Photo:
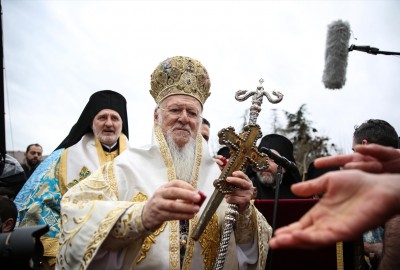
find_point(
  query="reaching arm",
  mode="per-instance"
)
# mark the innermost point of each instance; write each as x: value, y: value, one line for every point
x: 353, y: 202
x: 370, y: 158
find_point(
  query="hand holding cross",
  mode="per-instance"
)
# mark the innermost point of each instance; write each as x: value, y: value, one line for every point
x: 245, y: 153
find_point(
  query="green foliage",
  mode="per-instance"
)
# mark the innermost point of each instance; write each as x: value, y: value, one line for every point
x: 307, y: 144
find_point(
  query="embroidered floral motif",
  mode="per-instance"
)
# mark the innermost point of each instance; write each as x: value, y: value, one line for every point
x: 73, y: 224
x: 246, y: 226
x: 84, y: 172
x: 209, y: 242
x: 149, y: 240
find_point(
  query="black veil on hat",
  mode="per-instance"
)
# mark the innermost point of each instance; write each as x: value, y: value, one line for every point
x: 285, y: 148
x: 104, y: 99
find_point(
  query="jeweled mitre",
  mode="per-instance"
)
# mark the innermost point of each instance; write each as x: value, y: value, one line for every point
x: 180, y: 75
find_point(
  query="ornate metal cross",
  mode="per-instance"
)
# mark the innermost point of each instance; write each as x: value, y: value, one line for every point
x: 243, y: 153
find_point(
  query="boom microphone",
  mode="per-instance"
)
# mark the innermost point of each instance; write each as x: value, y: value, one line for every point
x: 371, y: 50
x: 336, y: 53
x: 280, y: 160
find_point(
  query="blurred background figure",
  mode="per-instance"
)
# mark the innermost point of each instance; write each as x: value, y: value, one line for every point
x: 8, y: 193
x: 33, y: 157
x: 12, y: 176
x: 205, y: 129
x: 265, y: 181
x: 8, y: 215
x: 377, y: 242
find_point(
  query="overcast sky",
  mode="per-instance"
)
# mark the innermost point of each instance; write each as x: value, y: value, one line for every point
x: 57, y: 53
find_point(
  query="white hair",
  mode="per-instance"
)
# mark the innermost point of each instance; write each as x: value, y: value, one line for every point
x: 183, y: 158
x: 267, y: 180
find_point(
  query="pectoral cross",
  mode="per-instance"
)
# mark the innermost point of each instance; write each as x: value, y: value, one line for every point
x: 244, y: 153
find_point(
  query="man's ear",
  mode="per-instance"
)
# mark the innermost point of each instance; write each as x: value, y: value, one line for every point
x: 155, y: 116
x: 364, y: 142
x: 8, y: 225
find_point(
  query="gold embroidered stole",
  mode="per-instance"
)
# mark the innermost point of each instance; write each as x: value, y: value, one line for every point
x: 210, y: 238
x: 174, y: 257
x: 102, y: 158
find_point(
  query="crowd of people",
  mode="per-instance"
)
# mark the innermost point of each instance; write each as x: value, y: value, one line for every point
x: 112, y: 206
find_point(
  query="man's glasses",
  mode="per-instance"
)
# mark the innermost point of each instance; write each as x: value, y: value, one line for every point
x: 177, y: 112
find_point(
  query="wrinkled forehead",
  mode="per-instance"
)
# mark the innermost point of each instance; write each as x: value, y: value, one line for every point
x: 181, y: 100
x: 108, y: 112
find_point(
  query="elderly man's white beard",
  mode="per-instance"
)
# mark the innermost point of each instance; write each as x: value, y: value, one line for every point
x: 182, y: 158
x: 267, y: 180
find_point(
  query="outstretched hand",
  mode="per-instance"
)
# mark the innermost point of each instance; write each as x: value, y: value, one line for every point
x: 353, y: 202
x: 372, y: 158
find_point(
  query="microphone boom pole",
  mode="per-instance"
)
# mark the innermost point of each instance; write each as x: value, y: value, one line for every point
x: 371, y: 50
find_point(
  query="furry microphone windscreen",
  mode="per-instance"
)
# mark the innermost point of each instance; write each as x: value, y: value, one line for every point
x: 336, y: 53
